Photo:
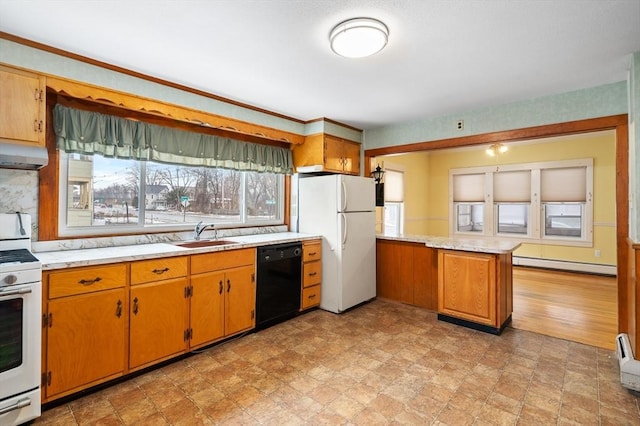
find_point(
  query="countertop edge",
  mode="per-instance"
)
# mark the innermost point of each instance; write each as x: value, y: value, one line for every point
x: 460, y: 244
x: 62, y: 259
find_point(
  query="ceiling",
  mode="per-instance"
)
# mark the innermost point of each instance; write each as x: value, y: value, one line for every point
x: 443, y: 56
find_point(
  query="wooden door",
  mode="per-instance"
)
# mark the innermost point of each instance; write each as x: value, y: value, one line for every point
x: 467, y: 286
x: 158, y: 321
x: 21, y: 106
x: 207, y: 308
x: 240, y: 299
x: 85, y: 339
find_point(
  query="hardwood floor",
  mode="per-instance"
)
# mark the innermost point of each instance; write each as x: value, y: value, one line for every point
x: 573, y: 306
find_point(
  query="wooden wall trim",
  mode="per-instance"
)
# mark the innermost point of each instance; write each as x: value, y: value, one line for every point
x: 627, y: 312
x: 537, y: 132
x: 87, y: 60
x: 204, y: 120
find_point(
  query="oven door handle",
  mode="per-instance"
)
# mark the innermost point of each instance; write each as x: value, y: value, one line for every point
x: 18, y: 405
x: 5, y: 293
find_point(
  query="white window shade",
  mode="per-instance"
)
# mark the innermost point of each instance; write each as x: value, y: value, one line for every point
x: 468, y: 188
x: 393, y: 186
x: 512, y: 187
x: 563, y: 184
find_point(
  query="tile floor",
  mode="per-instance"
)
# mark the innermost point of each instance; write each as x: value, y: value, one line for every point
x: 382, y: 363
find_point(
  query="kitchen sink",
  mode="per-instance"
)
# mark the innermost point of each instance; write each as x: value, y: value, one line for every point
x: 205, y: 243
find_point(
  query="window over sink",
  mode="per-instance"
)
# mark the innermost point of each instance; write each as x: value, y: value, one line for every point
x: 101, y: 195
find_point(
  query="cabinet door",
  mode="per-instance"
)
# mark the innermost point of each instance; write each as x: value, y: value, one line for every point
x: 467, y: 286
x: 21, y: 106
x: 240, y: 299
x: 351, y: 157
x: 85, y: 339
x: 158, y: 321
x: 207, y: 308
x: 333, y: 154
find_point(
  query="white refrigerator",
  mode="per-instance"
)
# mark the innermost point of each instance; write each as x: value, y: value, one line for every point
x: 342, y: 209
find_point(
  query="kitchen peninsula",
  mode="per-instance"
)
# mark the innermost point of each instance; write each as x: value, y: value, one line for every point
x: 468, y: 282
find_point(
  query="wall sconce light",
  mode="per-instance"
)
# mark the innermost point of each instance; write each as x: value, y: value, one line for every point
x: 496, y: 149
x: 377, y: 174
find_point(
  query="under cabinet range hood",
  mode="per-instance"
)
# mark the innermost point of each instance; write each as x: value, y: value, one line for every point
x: 24, y: 157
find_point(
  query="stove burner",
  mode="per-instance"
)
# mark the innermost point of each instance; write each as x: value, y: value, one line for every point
x: 16, y: 256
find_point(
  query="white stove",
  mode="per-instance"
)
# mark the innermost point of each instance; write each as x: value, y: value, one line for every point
x: 20, y: 311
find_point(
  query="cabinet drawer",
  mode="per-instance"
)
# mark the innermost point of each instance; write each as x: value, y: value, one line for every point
x: 146, y: 271
x: 310, y: 297
x: 311, y: 273
x: 86, y: 280
x: 208, y: 262
x: 311, y: 251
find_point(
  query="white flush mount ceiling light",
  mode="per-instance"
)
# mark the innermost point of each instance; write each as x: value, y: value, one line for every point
x: 359, y: 37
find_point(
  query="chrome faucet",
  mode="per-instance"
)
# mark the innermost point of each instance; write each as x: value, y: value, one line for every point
x: 200, y: 227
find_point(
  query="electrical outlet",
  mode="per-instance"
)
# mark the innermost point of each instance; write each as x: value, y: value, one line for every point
x: 597, y: 253
x: 460, y: 125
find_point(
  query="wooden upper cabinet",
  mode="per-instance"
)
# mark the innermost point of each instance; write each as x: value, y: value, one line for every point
x: 22, y: 107
x: 333, y: 154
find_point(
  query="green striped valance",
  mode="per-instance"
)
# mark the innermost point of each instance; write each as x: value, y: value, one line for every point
x: 90, y: 133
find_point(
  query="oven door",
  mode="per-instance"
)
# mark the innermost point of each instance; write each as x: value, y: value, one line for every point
x: 20, y: 331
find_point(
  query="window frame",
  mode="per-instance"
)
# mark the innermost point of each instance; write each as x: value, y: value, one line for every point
x: 536, y: 222
x: 64, y: 230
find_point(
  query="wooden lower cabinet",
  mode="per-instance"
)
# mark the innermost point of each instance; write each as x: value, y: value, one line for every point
x: 223, y: 295
x: 207, y: 308
x: 475, y: 289
x: 103, y: 322
x: 158, y: 319
x: 407, y: 272
x: 85, y: 328
x: 240, y: 300
x: 311, y: 274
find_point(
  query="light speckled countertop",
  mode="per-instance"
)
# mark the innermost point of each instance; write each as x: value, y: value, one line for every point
x: 101, y: 255
x: 493, y: 246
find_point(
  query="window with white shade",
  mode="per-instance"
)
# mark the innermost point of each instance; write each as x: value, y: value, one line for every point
x: 564, y: 204
x: 393, y: 201
x: 468, y: 199
x: 550, y: 201
x: 512, y: 200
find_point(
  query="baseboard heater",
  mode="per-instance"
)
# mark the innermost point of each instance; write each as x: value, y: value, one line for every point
x: 563, y: 265
x: 629, y: 366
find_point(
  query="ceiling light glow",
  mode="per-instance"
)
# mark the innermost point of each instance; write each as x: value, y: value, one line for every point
x: 359, y: 37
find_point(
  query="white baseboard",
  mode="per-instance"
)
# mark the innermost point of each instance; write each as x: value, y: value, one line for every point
x: 591, y: 268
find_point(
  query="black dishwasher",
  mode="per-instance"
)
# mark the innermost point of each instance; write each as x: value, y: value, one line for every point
x: 279, y: 282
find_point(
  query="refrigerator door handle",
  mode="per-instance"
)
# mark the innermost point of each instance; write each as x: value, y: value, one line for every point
x: 343, y: 217
x: 343, y: 199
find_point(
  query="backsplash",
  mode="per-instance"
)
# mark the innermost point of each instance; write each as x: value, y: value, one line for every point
x: 19, y: 192
x: 127, y: 240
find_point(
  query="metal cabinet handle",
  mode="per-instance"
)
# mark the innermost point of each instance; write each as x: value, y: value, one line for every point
x: 228, y: 286
x: 312, y: 296
x: 313, y: 274
x: 135, y: 306
x: 119, y: 309
x: 220, y: 286
x: 89, y: 282
x: 160, y: 271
